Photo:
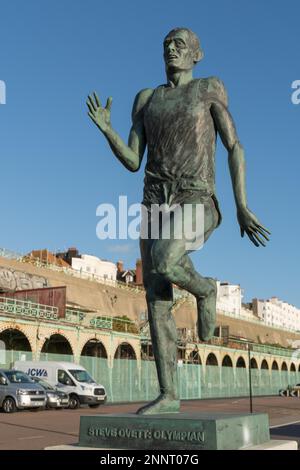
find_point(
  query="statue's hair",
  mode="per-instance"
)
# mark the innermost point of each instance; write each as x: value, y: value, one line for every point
x: 194, y: 41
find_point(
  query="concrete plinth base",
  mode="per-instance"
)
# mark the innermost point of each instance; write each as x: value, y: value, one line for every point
x: 270, y: 445
x: 275, y: 444
x: 180, y: 431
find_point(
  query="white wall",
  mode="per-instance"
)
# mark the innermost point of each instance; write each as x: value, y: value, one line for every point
x: 95, y: 266
x: 229, y: 299
x: 275, y: 312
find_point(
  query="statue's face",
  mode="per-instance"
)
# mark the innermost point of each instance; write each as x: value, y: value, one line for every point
x: 178, y: 53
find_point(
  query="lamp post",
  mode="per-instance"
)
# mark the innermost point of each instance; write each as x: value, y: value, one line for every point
x: 250, y: 377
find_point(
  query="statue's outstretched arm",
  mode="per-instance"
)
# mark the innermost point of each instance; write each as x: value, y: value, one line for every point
x: 248, y: 222
x: 129, y: 155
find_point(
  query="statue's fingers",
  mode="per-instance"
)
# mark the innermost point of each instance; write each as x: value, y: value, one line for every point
x: 97, y: 99
x: 90, y: 107
x: 242, y: 232
x: 92, y: 117
x: 257, y: 237
x: 108, y: 103
x: 92, y: 103
x: 263, y: 228
x: 262, y: 233
x: 252, y: 238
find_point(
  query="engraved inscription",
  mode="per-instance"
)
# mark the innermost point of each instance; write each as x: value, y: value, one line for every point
x: 190, y: 436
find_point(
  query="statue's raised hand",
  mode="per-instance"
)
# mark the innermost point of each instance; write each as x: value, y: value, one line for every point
x: 98, y: 114
x: 253, y: 228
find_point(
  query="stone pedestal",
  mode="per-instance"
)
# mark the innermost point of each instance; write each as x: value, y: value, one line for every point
x: 181, y: 431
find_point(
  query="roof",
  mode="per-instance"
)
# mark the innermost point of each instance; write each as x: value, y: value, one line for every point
x: 45, y: 256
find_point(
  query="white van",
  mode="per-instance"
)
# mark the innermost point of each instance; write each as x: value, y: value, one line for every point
x: 73, y: 379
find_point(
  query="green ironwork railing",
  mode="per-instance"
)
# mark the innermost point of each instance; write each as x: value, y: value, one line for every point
x: 102, y: 322
x: 75, y: 316
x: 261, y: 348
x: 115, y: 324
x: 28, y: 309
x: 265, y: 348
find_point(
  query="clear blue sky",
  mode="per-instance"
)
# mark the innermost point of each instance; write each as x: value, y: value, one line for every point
x: 56, y: 167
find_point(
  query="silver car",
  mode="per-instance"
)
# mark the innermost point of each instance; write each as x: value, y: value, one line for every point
x: 19, y: 391
x: 55, y: 398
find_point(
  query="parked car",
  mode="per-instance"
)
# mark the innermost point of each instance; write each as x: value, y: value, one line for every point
x: 19, y: 391
x: 71, y: 378
x: 55, y: 398
x: 296, y: 387
x: 290, y: 391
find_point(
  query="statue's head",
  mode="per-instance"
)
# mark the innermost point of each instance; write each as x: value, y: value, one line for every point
x: 182, y: 49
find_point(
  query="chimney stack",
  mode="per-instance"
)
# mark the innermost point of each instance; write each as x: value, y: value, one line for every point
x: 138, y: 272
x: 120, y: 267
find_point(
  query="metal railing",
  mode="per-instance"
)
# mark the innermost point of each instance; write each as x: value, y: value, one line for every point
x: 115, y: 323
x: 4, y: 253
x: 28, y: 309
x: 274, y: 350
x: 75, y: 316
x: 102, y: 322
x: 256, y: 347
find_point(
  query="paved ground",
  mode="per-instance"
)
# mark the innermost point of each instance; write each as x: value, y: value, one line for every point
x: 37, y: 430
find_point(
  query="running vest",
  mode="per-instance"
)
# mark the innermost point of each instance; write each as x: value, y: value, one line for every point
x: 181, y: 134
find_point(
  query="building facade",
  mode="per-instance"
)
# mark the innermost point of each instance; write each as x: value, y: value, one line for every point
x: 95, y: 266
x: 275, y: 312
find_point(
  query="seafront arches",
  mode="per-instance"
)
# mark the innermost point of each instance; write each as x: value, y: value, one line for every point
x: 211, y: 360
x: 275, y: 365
x: 94, y: 348
x: 240, y: 362
x: 264, y: 365
x: 57, y: 343
x: 15, y: 339
x: 253, y: 363
x: 194, y: 357
x: 284, y: 366
x: 125, y: 351
x: 227, y: 361
x: 292, y: 367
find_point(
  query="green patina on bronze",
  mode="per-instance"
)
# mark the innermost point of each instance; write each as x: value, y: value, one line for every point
x: 179, y: 122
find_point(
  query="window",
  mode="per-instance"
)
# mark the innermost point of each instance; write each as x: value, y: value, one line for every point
x: 82, y: 376
x: 63, y: 378
x: 15, y: 377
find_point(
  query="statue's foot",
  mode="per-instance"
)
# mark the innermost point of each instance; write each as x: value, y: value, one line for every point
x: 207, y: 312
x: 162, y: 404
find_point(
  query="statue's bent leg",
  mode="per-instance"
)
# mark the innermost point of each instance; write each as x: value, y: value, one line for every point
x: 159, y: 298
x: 170, y: 259
x: 206, y: 304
